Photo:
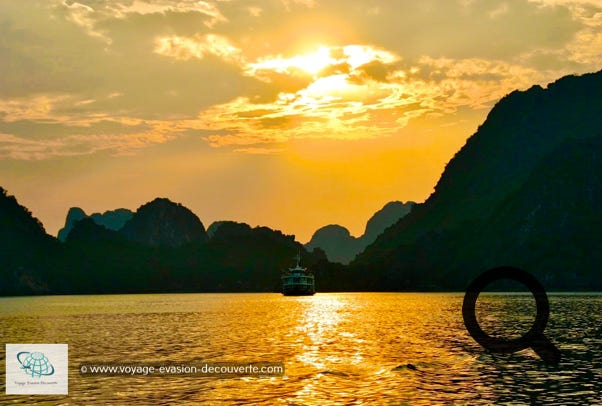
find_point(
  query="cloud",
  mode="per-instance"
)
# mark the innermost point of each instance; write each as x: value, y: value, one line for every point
x: 37, y: 108
x: 90, y: 13
x: 84, y: 16
x: 41, y: 128
x: 115, y: 76
x: 206, y: 8
x: 347, y: 57
x: 288, y: 4
x: 375, y: 95
x: 183, y: 48
x: 260, y: 150
x: 12, y: 147
x: 255, y: 11
x: 585, y: 49
x: 499, y: 11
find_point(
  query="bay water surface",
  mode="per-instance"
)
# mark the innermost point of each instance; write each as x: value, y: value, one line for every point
x: 337, y: 348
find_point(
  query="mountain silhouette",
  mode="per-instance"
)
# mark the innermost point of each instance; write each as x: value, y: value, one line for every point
x: 384, y: 218
x: 26, y: 251
x: 213, y: 228
x: 89, y: 231
x: 340, y: 246
x: 524, y: 190
x: 251, y: 258
x: 162, y: 248
x: 112, y: 220
x: 164, y: 223
x: 336, y: 242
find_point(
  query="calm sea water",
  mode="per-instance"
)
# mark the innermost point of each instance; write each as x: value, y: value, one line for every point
x: 347, y: 348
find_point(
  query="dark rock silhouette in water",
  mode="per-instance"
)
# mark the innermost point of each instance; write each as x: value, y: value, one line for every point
x: 404, y: 367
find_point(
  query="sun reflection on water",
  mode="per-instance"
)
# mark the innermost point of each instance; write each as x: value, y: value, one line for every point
x: 337, y: 348
x: 320, y: 318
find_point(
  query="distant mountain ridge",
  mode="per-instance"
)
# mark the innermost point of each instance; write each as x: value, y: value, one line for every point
x: 162, y: 248
x: 340, y: 246
x: 111, y: 219
x: 524, y: 190
x: 384, y: 218
x: 337, y: 243
x: 160, y: 222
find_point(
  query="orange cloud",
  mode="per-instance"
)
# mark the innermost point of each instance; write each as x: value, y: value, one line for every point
x: 183, y: 48
x: 357, y: 91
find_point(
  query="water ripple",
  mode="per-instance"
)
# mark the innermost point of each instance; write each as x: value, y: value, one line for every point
x: 348, y: 348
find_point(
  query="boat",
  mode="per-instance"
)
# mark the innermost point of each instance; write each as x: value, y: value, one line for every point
x: 298, y: 281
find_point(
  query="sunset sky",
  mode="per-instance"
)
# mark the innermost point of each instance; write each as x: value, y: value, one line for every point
x: 289, y: 114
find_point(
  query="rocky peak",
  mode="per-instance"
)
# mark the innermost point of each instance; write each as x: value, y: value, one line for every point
x: 164, y: 223
x: 112, y: 220
x: 384, y: 218
x: 340, y: 246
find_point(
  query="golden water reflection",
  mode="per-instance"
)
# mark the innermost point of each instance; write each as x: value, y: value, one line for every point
x: 345, y: 348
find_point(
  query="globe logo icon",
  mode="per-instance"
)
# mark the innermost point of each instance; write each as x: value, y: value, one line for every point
x: 35, y: 364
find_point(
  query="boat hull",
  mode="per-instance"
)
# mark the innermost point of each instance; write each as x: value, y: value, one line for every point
x: 302, y: 290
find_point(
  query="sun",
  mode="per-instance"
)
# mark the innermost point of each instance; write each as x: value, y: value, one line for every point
x: 333, y: 75
x: 310, y: 63
x: 333, y: 87
x: 314, y: 62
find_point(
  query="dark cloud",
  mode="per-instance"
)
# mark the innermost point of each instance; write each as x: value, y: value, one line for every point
x: 375, y: 70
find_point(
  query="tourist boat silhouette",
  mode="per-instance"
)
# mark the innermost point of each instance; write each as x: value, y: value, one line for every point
x: 298, y: 281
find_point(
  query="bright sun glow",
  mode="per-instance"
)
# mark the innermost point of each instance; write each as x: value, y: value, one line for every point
x: 334, y: 86
x: 351, y: 56
x: 315, y: 62
x: 310, y: 63
x: 345, y: 62
x: 338, y: 94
